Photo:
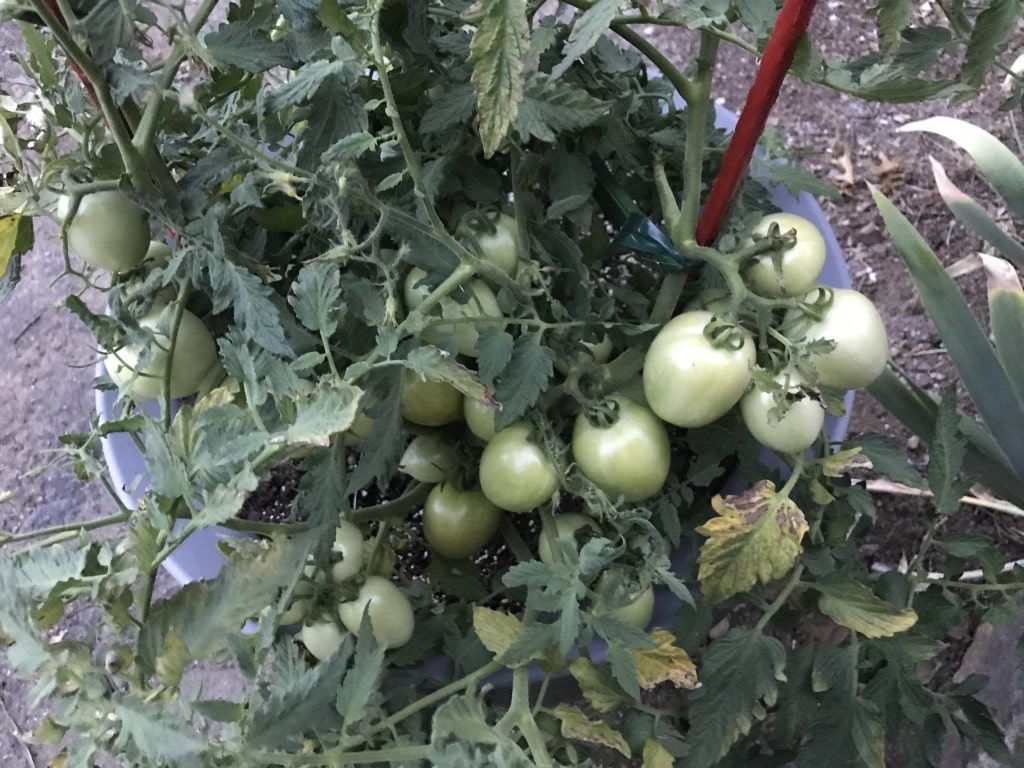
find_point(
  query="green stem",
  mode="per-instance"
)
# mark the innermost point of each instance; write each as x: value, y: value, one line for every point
x: 134, y: 164
x: 89, y: 525
x: 686, y: 87
x: 696, y: 117
x: 412, y: 164
x: 926, y: 544
x: 337, y: 757
x: 781, y: 598
x: 523, y: 717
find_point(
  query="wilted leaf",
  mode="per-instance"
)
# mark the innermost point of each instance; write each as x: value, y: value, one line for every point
x: 328, y: 411
x: 596, y: 685
x: 856, y: 607
x: 436, y: 365
x: 576, y: 725
x: 755, y: 537
x: 664, y: 663
x: 842, y: 463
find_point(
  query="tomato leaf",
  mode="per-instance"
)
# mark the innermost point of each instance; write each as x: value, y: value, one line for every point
x: 551, y: 107
x: 992, y: 29
x: 462, y: 737
x: 947, y: 450
x: 577, y: 726
x: 588, y: 28
x: 856, y: 607
x: 316, y: 296
x: 893, y: 17
x: 499, y: 55
x: 524, y: 378
x: 755, y: 537
x: 740, y: 675
x: 656, y: 756
x: 664, y: 663
x: 497, y: 630
x: 597, y: 686
x: 149, y: 730
x: 16, y: 239
x: 494, y: 349
x: 246, y: 46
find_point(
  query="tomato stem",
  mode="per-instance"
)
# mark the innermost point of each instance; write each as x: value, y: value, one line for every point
x: 790, y: 26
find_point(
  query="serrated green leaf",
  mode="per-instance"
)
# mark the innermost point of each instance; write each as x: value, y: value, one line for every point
x: 754, y: 537
x: 524, y: 378
x: 854, y: 606
x: 550, y: 107
x: 997, y: 163
x: 329, y: 410
x: 587, y: 29
x: 316, y: 296
x: 461, y: 724
x: 1006, y: 316
x: 597, y: 685
x: 975, y: 721
x: 740, y: 675
x: 623, y: 668
x: 451, y: 109
x: 167, y: 471
x: 947, y: 448
x: 498, y: 54
x: 992, y: 29
x: 967, y: 342
x: 577, y: 726
x: 149, y: 731
x: 243, y: 45
x: 494, y: 349
x: 362, y: 680
x: 888, y: 459
x: 974, y: 217
x: 433, y: 364
x: 223, y: 502
x: 893, y: 17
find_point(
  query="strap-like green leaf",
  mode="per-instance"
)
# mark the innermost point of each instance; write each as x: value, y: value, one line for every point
x: 997, y: 163
x: 973, y: 216
x: 1006, y: 313
x: 962, y: 334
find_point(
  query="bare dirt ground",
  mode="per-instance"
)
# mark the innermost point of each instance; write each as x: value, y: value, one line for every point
x: 839, y: 138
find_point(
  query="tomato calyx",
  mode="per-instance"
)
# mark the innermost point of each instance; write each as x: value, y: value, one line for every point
x: 725, y: 333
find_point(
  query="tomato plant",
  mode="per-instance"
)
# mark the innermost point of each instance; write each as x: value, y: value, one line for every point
x: 794, y: 270
x: 852, y: 324
x: 789, y: 419
x: 563, y: 527
x: 479, y: 418
x: 322, y: 638
x: 430, y: 403
x: 347, y: 552
x: 497, y: 238
x: 142, y: 368
x: 107, y: 230
x: 516, y: 473
x: 390, y: 614
x: 459, y: 316
x: 457, y: 522
x: 691, y: 380
x: 623, y: 449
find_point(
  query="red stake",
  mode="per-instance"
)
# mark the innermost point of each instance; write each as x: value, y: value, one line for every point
x: 790, y: 26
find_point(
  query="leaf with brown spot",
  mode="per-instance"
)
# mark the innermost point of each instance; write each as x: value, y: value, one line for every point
x: 665, y: 663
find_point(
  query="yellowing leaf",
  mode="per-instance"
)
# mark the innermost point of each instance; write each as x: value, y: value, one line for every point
x: 496, y: 630
x: 854, y: 606
x: 755, y: 537
x: 576, y: 725
x: 843, y: 462
x: 595, y: 685
x: 15, y: 238
x: 664, y: 663
x: 499, y: 54
x: 656, y: 756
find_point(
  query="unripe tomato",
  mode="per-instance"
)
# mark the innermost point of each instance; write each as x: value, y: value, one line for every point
x: 600, y: 351
x: 499, y: 243
x: 629, y: 457
x: 428, y: 460
x: 457, y: 523
x: 482, y: 303
x: 800, y: 265
x: 109, y: 231
x: 159, y: 253
x: 515, y: 473
x: 861, y: 344
x: 796, y: 430
x: 430, y: 403
x: 690, y: 382
x: 563, y: 528
x: 194, y: 358
x: 322, y: 638
x: 638, y: 609
x: 346, y: 552
x: 391, y: 615
x: 479, y: 418
x: 362, y: 424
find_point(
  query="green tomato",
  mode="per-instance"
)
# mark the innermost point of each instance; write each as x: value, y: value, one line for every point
x: 362, y: 424
x: 322, y: 638
x: 515, y: 473
x: 391, y: 614
x: 600, y: 351
x: 479, y: 418
x: 690, y: 382
x: 638, y: 608
x: 193, y: 360
x: 854, y: 324
x: 562, y: 528
x: 482, y: 303
x: 498, y: 241
x: 457, y: 523
x: 427, y: 460
x: 795, y: 430
x: 346, y: 552
x: 108, y: 231
x: 429, y: 403
x: 629, y: 457
x: 159, y: 253
x: 799, y: 265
